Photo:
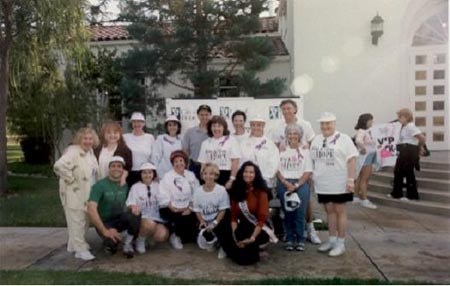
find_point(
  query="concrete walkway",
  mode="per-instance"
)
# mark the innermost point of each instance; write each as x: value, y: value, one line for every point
x: 387, y: 244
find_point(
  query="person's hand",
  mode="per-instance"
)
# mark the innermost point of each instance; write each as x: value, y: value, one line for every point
x: 210, y: 227
x: 422, y: 151
x: 123, y: 178
x: 240, y: 244
x: 173, y: 209
x: 228, y: 184
x: 113, y: 235
x: 202, y: 225
x: 289, y: 186
x: 363, y: 151
x: 136, y: 210
x: 186, y: 212
x: 350, y: 187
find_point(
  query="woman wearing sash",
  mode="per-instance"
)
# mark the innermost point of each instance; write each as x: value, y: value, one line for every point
x: 249, y: 213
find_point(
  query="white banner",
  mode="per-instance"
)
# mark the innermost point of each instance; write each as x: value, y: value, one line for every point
x: 386, y: 136
x: 269, y: 109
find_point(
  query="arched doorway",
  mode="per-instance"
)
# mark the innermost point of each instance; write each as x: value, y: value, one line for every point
x: 429, y: 79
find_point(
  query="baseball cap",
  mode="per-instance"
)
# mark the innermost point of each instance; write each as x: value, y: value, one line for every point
x: 116, y: 159
x: 326, y: 117
x: 137, y: 116
x: 147, y: 166
x: 204, y: 107
x: 172, y: 118
x: 291, y: 201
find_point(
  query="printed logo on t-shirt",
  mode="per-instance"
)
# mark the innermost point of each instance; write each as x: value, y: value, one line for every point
x: 217, y: 156
x: 291, y: 163
x: 325, y: 154
x: 209, y: 209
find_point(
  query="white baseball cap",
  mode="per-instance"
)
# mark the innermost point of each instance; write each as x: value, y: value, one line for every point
x: 206, y: 240
x: 172, y: 118
x: 257, y: 118
x: 291, y: 201
x: 137, y: 116
x: 116, y: 159
x: 327, y: 117
x: 147, y: 166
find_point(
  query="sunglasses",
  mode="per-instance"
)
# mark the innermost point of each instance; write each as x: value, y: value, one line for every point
x: 324, y: 143
x: 149, y: 193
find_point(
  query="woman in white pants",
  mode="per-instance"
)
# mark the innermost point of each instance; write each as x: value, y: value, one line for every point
x: 78, y: 169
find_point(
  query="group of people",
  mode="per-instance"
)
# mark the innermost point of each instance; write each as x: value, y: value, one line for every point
x: 212, y: 187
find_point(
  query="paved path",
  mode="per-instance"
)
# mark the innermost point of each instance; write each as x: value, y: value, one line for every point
x: 387, y: 244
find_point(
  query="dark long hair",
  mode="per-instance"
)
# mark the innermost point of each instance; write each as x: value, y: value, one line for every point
x: 362, y: 121
x: 239, y: 189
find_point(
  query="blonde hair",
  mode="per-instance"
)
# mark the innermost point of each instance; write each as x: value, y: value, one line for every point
x: 83, y: 131
x: 407, y: 113
x: 111, y: 125
x: 214, y: 168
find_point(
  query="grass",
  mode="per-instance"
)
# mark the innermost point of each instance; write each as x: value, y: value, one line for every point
x: 31, y: 202
x: 102, y: 277
x: 13, y: 153
x: 16, y: 165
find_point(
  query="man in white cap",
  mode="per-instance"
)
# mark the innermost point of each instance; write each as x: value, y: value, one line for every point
x: 289, y: 110
x: 261, y: 150
x: 107, y: 210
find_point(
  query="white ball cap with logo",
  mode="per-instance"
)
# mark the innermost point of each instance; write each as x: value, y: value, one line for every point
x: 257, y: 118
x: 137, y: 116
x: 116, y: 159
x: 327, y: 117
x: 172, y: 118
x: 291, y: 201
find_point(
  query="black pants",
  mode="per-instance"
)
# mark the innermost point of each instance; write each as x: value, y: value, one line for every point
x: 126, y: 221
x: 249, y: 254
x: 404, y: 168
x: 185, y: 227
x: 224, y: 176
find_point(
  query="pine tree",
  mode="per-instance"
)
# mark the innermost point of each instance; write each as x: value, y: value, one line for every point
x: 179, y: 39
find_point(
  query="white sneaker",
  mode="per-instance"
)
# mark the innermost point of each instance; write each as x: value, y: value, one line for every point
x: 313, y: 237
x: 221, y: 254
x: 405, y: 199
x: 175, y: 241
x: 84, y: 255
x: 337, y: 250
x: 389, y: 196
x: 327, y: 246
x: 368, y: 204
x: 140, y: 245
x: 356, y: 200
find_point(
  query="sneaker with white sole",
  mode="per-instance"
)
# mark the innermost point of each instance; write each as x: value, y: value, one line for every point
x: 337, y: 250
x: 356, y: 200
x: 140, y: 245
x: 327, y: 246
x: 368, y: 204
x: 84, y: 255
x: 175, y: 241
x: 313, y: 237
x: 222, y: 254
x: 405, y: 199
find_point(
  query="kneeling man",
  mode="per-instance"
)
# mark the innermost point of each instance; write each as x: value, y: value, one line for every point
x: 108, y: 212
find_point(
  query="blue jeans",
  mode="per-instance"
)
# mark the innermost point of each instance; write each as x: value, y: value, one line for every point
x: 294, y: 221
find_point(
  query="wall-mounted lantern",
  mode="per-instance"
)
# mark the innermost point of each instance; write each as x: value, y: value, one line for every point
x: 377, y: 28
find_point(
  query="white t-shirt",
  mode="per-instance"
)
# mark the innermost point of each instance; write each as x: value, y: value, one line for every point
x: 264, y: 153
x: 407, y: 134
x: 294, y: 162
x: 220, y: 151
x: 278, y: 135
x: 241, y: 138
x: 177, y: 189
x: 209, y: 204
x: 138, y: 195
x: 365, y: 138
x: 330, y: 156
x: 141, y: 148
x: 103, y: 161
x: 162, y: 148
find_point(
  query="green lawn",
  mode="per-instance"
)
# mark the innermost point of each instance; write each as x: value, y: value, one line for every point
x: 13, y: 153
x: 31, y: 202
x: 100, y: 277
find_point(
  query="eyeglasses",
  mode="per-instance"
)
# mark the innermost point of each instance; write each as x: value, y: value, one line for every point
x: 324, y: 143
x: 149, y: 193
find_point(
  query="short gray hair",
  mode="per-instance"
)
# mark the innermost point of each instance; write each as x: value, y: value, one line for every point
x: 296, y: 128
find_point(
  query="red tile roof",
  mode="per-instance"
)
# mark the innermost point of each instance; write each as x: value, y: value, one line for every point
x: 118, y: 33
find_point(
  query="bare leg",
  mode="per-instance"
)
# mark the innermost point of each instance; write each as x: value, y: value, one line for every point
x: 341, y: 215
x: 148, y: 228
x: 161, y: 233
x: 364, y: 177
x: 332, y: 218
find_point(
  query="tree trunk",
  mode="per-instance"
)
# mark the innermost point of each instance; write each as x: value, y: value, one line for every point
x: 5, y: 44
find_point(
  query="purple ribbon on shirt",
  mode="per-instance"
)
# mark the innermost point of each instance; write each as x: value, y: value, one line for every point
x: 175, y: 182
x: 259, y: 146
x: 224, y: 140
x: 167, y: 140
x: 299, y: 155
x: 335, y: 139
